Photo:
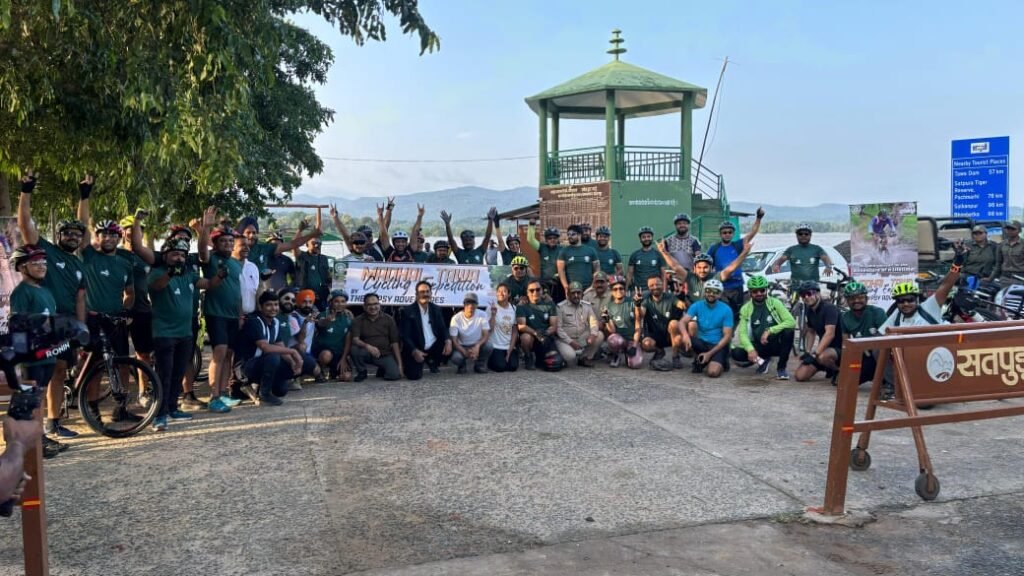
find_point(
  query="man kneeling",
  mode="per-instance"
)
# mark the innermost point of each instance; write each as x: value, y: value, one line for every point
x: 710, y: 332
x: 267, y: 361
x: 470, y: 330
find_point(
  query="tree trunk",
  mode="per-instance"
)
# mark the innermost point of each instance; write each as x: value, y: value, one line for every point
x: 5, y: 196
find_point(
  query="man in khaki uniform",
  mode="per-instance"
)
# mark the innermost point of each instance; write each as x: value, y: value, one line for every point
x: 579, y: 332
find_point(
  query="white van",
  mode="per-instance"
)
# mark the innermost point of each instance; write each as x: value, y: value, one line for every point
x: 762, y: 260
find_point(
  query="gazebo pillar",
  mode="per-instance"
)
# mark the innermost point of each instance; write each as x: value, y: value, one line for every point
x: 609, y: 135
x: 622, y: 130
x: 554, y: 131
x: 543, y: 141
x: 686, y: 140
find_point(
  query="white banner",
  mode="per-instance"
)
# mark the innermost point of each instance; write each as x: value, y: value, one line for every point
x: 395, y: 283
x: 883, y: 247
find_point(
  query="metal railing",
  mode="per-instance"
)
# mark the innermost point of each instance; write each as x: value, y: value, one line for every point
x: 632, y: 164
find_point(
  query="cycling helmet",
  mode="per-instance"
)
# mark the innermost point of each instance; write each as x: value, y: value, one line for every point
x: 129, y: 221
x: 108, y: 226
x: 520, y: 261
x: 727, y: 225
x: 176, y: 245
x: 682, y: 217
x: 26, y: 253
x: 365, y: 229
x: 180, y: 229
x: 511, y: 238
x: 905, y: 289
x: 552, y: 231
x: 883, y: 212
x: 804, y: 226
x: 222, y: 231
x: 705, y: 258
x: 808, y: 286
x: 603, y: 230
x: 757, y: 283
x: 275, y: 236
x: 645, y: 230
x: 467, y: 234
x: 400, y: 235
x: 338, y: 294
x: 585, y: 226
x: 66, y: 225
x: 441, y: 244
x: 714, y: 284
x: 855, y: 289
x: 612, y: 281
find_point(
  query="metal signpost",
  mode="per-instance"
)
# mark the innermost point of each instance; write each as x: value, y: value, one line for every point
x: 980, y: 178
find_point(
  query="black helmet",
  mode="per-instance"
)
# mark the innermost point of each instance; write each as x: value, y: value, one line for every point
x: 24, y: 253
x: 442, y: 244
x: 66, y: 225
x: 706, y: 258
x: 808, y: 286
x: 552, y: 232
x: 727, y: 225
x: 682, y: 217
x: 645, y: 230
x: 603, y: 230
x: 173, y: 245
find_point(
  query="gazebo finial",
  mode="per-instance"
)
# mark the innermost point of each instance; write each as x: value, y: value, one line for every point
x: 616, y: 42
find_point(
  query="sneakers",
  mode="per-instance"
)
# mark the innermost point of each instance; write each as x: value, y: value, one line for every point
x: 658, y: 354
x: 249, y: 393
x: 229, y: 401
x: 218, y: 406
x: 160, y: 424
x: 180, y: 415
x: 51, y: 447
x: 121, y: 414
x: 528, y: 361
x: 677, y: 362
x: 433, y: 367
x: 479, y: 369
x: 762, y: 368
x: 782, y: 375
x: 53, y: 428
x: 294, y: 386
x: 190, y: 401
x: 615, y: 361
x: 270, y: 399
x: 461, y: 369
x: 360, y: 376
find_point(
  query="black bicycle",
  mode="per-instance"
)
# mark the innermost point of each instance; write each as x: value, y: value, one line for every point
x: 118, y: 396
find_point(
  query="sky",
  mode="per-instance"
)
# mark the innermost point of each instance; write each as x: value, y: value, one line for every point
x: 822, y: 101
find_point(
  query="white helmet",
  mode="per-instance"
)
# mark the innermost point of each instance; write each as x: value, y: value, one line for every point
x: 399, y: 235
x: 714, y: 284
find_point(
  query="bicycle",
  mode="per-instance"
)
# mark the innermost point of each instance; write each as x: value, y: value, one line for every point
x: 197, y: 352
x: 102, y: 398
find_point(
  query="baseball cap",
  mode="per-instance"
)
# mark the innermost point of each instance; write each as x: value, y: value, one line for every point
x: 600, y: 276
x: 575, y: 286
x: 1015, y: 224
x: 470, y: 297
x: 979, y: 228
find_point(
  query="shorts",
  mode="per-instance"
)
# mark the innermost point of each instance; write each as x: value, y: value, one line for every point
x: 659, y: 335
x: 40, y: 374
x: 222, y: 331
x: 117, y: 335
x: 141, y: 330
x: 318, y: 348
x: 722, y: 356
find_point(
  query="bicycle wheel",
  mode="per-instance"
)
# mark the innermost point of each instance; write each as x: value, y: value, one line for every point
x: 197, y: 364
x: 801, y: 322
x: 124, y: 406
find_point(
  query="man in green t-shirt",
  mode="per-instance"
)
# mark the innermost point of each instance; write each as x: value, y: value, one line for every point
x: 766, y: 328
x: 172, y: 286
x: 862, y: 320
x: 610, y: 259
x: 646, y: 262
x: 332, y: 342
x: 518, y: 280
x: 576, y: 262
x: 314, y: 270
x: 537, y: 321
x: 619, y: 321
x: 262, y: 253
x: 109, y: 287
x: 548, y: 252
x: 222, y: 308
x: 30, y: 297
x: 65, y: 279
x: 804, y: 258
x: 470, y: 253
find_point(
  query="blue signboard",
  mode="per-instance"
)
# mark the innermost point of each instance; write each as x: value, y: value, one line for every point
x: 981, y: 177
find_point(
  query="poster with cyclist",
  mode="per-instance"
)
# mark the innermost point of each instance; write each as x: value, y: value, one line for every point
x: 883, y: 247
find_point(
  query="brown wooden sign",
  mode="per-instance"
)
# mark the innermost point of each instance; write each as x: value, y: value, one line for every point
x: 958, y: 363
x: 563, y: 206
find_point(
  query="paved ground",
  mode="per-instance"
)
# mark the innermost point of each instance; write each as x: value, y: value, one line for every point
x: 583, y: 472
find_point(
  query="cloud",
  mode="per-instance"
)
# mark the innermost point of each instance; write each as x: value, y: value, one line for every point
x: 464, y: 135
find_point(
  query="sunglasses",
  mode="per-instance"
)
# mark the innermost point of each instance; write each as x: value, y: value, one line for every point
x: 532, y: 290
x: 617, y: 289
x: 725, y: 232
x: 803, y: 233
x: 976, y: 232
x: 712, y: 291
x: 359, y: 243
x: 72, y: 234
x: 906, y: 300
x: 758, y: 291
x: 517, y: 267
x: 806, y: 294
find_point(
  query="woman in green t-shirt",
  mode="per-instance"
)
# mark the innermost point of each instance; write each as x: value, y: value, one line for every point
x: 333, y: 339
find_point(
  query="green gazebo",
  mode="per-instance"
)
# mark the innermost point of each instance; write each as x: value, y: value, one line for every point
x: 618, y: 185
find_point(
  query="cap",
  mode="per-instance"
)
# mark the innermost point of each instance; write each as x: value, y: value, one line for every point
x: 575, y: 287
x: 600, y: 276
x: 979, y: 228
x: 470, y: 297
x: 1015, y: 224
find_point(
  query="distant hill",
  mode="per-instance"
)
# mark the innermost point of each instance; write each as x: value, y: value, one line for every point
x: 462, y: 202
x: 820, y: 213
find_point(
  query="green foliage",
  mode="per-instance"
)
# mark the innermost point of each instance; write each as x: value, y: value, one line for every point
x: 173, y: 104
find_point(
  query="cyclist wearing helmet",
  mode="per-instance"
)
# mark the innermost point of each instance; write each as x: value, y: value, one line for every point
x: 518, y: 280
x: 396, y: 245
x: 804, y: 258
x: 880, y: 226
x: 537, y: 321
x: 706, y: 328
x: 682, y: 246
x: 728, y: 250
x: 703, y: 266
x: 442, y: 254
x: 862, y: 320
x: 470, y: 253
x: 65, y: 279
x: 222, y: 308
x: 31, y: 297
x: 646, y: 262
x: 509, y: 247
x: 912, y: 310
x: 367, y: 250
x: 822, y: 324
x: 608, y: 257
x: 585, y: 238
x: 619, y: 319
x: 548, y: 252
x: 282, y: 268
x: 576, y: 263
x: 333, y: 340
x: 766, y: 328
x: 141, y: 328
x: 262, y: 253
x: 314, y: 270
x: 109, y: 287
x: 171, y: 287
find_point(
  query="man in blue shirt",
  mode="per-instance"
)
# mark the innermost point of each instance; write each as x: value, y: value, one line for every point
x: 707, y: 330
x: 728, y: 250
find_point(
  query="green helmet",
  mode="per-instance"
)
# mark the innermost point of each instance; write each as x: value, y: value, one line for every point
x: 906, y: 289
x: 757, y: 283
x: 855, y: 289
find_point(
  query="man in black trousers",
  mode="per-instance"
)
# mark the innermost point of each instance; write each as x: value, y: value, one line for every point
x: 424, y: 334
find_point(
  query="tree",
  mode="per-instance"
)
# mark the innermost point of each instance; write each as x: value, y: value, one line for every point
x: 173, y: 104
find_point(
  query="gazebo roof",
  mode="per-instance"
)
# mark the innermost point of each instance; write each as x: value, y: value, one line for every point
x: 638, y: 91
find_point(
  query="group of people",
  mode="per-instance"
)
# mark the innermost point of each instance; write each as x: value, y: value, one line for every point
x: 271, y: 321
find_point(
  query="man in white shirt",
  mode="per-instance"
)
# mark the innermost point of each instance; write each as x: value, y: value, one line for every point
x: 249, y: 279
x: 504, y: 335
x: 470, y: 330
x: 912, y: 311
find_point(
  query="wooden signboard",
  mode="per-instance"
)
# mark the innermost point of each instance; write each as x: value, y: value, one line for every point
x: 563, y: 206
